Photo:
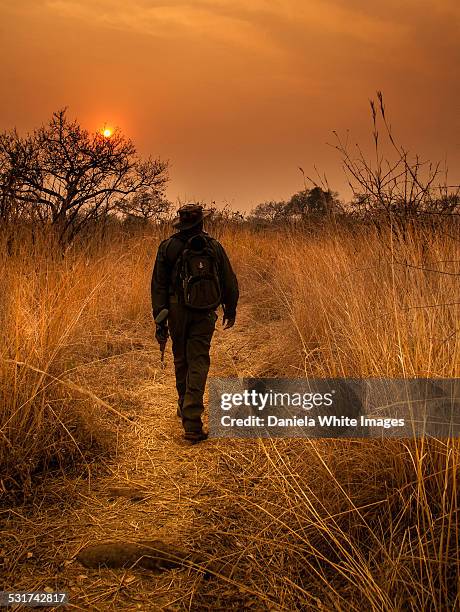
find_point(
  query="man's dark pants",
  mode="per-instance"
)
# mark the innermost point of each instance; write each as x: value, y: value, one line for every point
x: 191, y: 334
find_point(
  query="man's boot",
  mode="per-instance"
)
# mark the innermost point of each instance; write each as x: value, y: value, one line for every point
x: 195, y: 436
x: 194, y: 430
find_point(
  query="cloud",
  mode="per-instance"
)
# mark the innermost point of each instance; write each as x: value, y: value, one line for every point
x: 274, y: 28
x: 252, y: 24
x: 183, y: 21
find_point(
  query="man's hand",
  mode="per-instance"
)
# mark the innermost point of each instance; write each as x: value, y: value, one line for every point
x: 228, y: 321
x: 162, y: 333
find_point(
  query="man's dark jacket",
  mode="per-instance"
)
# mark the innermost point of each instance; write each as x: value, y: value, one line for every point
x: 163, y: 284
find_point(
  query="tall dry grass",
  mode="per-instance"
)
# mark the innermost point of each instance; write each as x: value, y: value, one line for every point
x: 57, y: 309
x: 361, y: 303
x: 338, y: 524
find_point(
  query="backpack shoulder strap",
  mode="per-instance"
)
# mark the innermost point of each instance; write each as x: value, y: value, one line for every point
x: 174, y: 246
x: 214, y: 244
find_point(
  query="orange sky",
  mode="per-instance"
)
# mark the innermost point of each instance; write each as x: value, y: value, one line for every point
x: 237, y: 94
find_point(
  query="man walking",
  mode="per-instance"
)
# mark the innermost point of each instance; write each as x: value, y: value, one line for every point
x: 192, y: 276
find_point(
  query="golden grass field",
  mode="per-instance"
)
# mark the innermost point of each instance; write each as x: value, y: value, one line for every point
x: 329, y: 525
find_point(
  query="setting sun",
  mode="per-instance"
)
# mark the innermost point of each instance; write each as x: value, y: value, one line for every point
x: 107, y: 132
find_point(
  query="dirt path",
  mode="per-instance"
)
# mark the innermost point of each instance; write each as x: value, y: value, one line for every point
x: 156, y: 487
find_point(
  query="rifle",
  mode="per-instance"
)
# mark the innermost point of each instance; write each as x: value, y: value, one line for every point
x: 159, y: 320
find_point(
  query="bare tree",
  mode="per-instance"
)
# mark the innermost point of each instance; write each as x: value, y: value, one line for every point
x: 6, y: 180
x: 12, y: 158
x: 69, y: 177
x: 401, y: 186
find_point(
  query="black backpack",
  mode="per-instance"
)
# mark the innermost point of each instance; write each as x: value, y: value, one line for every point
x: 197, y: 274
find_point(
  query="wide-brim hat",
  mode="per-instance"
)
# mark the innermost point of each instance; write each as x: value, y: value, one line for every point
x: 190, y: 215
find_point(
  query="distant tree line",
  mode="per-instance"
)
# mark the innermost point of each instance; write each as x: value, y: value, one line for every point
x: 63, y: 176
x: 67, y: 178
x: 317, y: 205
x: 309, y: 204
